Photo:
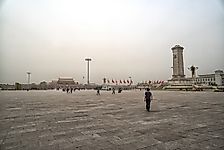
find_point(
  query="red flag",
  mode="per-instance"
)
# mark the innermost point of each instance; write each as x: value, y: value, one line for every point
x: 116, y: 81
x: 120, y: 81
x: 127, y: 81
x: 131, y: 81
x: 150, y: 82
x: 124, y: 81
x: 112, y: 81
x: 104, y: 80
x: 108, y: 81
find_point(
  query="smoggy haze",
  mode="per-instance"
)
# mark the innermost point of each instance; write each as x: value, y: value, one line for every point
x: 51, y: 38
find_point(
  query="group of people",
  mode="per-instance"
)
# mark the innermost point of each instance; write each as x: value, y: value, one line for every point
x: 69, y: 90
x: 147, y: 97
x: 113, y: 91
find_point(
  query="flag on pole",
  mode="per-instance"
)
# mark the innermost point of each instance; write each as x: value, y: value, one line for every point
x: 104, y: 80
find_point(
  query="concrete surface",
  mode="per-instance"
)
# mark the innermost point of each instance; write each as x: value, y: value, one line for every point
x: 82, y: 120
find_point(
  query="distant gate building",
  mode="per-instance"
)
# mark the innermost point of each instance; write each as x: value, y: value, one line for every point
x: 66, y: 82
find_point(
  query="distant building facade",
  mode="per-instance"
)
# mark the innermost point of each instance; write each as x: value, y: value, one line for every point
x: 216, y: 78
x: 66, y: 82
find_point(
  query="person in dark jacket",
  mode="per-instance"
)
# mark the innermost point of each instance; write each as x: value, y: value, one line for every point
x: 148, y: 98
x: 98, y: 91
x: 113, y: 91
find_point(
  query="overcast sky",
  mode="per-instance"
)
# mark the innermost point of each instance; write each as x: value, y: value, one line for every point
x: 124, y: 38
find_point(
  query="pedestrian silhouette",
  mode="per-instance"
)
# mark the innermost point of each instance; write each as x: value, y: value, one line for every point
x: 148, y: 98
x: 119, y: 90
x: 98, y: 92
x: 113, y: 92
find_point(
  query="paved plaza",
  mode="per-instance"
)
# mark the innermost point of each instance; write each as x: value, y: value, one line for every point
x: 51, y: 120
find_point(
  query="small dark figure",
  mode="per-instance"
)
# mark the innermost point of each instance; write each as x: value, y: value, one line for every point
x: 119, y: 90
x: 147, y: 99
x: 113, y: 92
x: 98, y: 92
x: 67, y: 90
x: 71, y: 90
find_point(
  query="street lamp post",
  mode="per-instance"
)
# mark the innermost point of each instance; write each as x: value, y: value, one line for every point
x: 28, y: 79
x: 88, y: 60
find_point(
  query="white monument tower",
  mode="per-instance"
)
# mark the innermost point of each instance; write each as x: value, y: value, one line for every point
x: 178, y: 63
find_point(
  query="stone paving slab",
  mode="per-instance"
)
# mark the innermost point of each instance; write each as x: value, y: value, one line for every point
x: 42, y: 120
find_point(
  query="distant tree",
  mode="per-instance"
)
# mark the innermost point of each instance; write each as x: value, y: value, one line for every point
x: 43, y: 85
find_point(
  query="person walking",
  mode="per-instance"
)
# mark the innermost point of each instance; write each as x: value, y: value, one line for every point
x: 98, y: 91
x: 113, y: 92
x: 148, y: 98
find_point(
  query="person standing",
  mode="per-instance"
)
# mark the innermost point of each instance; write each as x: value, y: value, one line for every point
x: 113, y: 92
x: 119, y: 90
x: 148, y: 98
x: 98, y: 91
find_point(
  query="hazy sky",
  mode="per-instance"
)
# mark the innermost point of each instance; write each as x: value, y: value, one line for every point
x: 52, y: 38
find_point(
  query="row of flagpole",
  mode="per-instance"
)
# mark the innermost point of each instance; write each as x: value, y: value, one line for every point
x: 129, y: 81
x: 114, y: 81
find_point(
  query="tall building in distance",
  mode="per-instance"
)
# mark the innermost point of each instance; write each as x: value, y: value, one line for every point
x: 178, y: 76
x: 178, y: 63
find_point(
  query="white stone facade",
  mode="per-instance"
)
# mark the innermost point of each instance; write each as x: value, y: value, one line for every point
x: 216, y: 78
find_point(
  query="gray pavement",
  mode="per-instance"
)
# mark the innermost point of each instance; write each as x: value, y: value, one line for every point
x: 82, y: 120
